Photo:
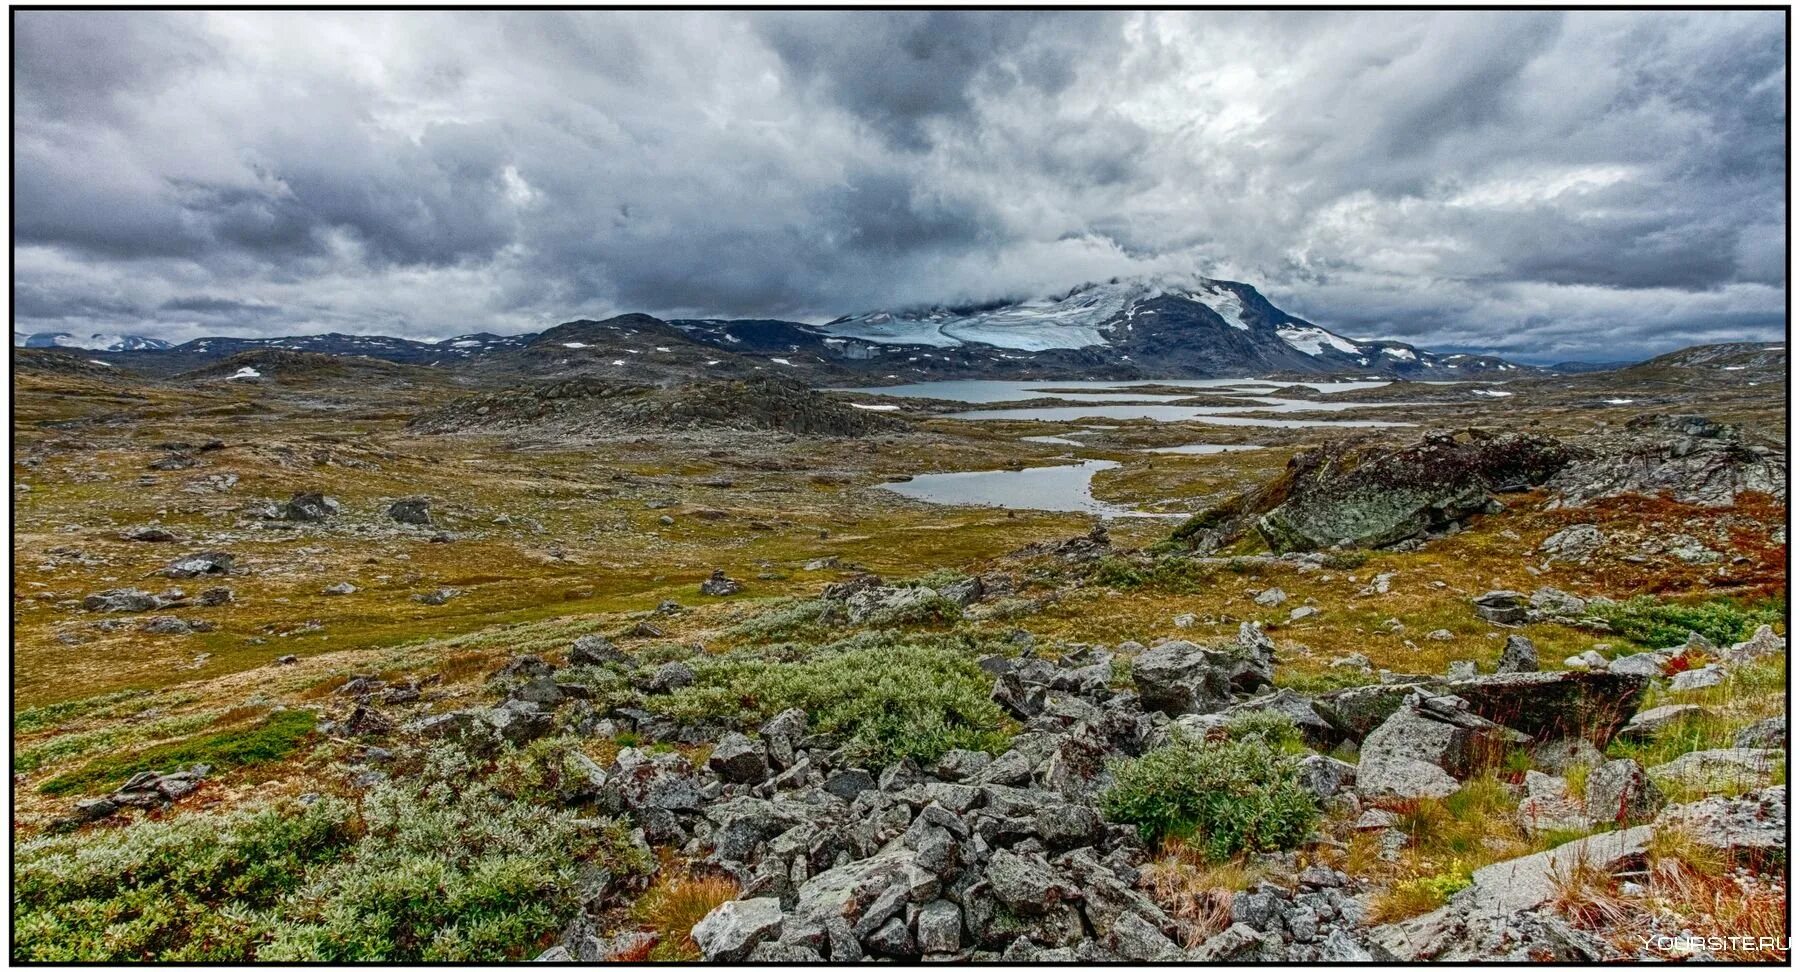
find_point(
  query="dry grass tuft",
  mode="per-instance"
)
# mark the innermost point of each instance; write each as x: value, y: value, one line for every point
x: 674, y: 905
x: 1196, y: 893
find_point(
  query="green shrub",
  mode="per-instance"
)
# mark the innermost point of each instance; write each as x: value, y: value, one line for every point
x: 889, y: 700
x: 1224, y: 797
x: 1117, y: 573
x: 1274, y: 729
x: 274, y: 739
x: 450, y: 861
x: 1666, y: 624
x: 787, y: 620
x: 934, y: 609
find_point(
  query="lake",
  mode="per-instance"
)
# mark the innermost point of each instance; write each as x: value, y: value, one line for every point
x: 1056, y: 489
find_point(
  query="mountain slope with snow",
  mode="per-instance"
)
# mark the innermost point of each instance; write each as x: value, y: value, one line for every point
x: 91, y: 342
x: 1193, y: 326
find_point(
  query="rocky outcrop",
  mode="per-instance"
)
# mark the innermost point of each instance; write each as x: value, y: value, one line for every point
x: 1687, y: 458
x: 1426, y: 747
x: 1556, y: 705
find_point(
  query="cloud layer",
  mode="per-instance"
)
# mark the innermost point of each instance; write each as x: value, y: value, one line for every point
x: 1546, y: 185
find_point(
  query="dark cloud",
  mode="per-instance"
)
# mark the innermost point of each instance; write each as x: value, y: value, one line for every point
x: 1546, y: 184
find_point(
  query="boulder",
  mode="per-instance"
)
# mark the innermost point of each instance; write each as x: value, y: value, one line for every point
x: 1652, y: 721
x: 1751, y: 828
x: 1644, y: 664
x: 1555, y: 705
x: 1501, y: 607
x: 1180, y: 677
x: 731, y: 931
x: 1576, y: 544
x: 1764, y: 642
x: 1719, y: 769
x: 1686, y: 459
x: 1136, y: 940
x: 1358, y: 710
x: 1550, y: 604
x: 412, y: 509
x: 1423, y: 749
x: 718, y: 585
x: 309, y: 508
x: 1770, y: 733
x: 1296, y: 709
x: 121, y: 600
x: 1519, y: 655
x: 1695, y: 679
x: 200, y: 564
x: 1346, y: 495
x: 938, y: 928
x: 1619, y: 792
x: 866, y: 603
x: 1027, y: 885
x: 738, y: 760
x: 595, y: 649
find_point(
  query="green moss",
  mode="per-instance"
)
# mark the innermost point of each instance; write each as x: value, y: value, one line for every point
x: 57, y: 713
x: 274, y: 739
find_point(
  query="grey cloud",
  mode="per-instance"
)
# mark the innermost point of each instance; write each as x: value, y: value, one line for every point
x: 1536, y: 182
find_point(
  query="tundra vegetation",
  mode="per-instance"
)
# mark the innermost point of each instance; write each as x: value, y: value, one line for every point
x: 708, y: 692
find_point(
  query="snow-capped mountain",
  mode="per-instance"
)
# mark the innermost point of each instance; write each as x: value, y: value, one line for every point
x: 1190, y: 325
x: 91, y: 342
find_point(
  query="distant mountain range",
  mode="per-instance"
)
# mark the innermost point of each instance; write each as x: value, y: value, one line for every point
x: 1138, y: 328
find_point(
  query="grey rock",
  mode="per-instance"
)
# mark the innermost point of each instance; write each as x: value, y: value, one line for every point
x: 1423, y: 749
x: 1271, y: 597
x: 1719, y: 769
x: 718, y: 585
x: 1136, y: 940
x: 1027, y: 886
x: 938, y: 928
x: 1761, y: 644
x: 1519, y: 655
x: 1770, y: 733
x: 1647, y: 664
x: 1697, y: 678
x: 412, y: 509
x: 595, y: 649
x: 1501, y: 607
x: 340, y: 588
x: 1652, y: 721
x: 670, y: 676
x: 1751, y: 828
x: 1555, y: 705
x: 1238, y: 943
x: 309, y: 508
x: 738, y: 760
x: 729, y: 932
x: 1540, y: 814
x: 1325, y: 777
x: 1619, y: 792
x: 1576, y: 544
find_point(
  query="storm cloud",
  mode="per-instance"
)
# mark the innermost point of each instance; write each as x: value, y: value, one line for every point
x: 1597, y: 184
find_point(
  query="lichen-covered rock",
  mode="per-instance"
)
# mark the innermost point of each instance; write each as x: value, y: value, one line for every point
x: 1519, y: 655
x: 1425, y: 748
x: 1618, y: 791
x: 1750, y: 828
x: 1719, y: 769
x: 729, y: 932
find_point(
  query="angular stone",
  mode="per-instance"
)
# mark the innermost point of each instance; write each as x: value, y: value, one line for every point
x: 1749, y: 828
x: 1136, y: 940
x: 1554, y: 705
x: 1519, y: 655
x: 1619, y: 792
x: 938, y: 927
x: 738, y: 759
x: 1719, y: 769
x: 1501, y: 607
x: 729, y: 932
x: 1652, y: 721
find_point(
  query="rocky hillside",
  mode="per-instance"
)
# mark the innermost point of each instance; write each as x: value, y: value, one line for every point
x: 591, y: 406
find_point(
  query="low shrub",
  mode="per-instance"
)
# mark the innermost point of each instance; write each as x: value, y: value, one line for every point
x: 888, y: 700
x: 932, y: 610
x: 1667, y: 624
x: 277, y: 737
x: 1223, y: 797
x: 447, y: 862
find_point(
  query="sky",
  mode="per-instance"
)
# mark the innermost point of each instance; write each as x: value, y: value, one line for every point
x: 1551, y: 186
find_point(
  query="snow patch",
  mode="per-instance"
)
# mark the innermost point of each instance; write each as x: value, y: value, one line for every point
x: 1314, y: 340
x: 573, y: 344
x: 1490, y: 393
x: 244, y: 372
x: 876, y: 408
x: 1225, y: 303
x: 1401, y: 354
x: 782, y: 361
